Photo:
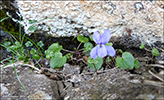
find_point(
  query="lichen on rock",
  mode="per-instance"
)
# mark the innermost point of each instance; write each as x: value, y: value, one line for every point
x: 66, y: 18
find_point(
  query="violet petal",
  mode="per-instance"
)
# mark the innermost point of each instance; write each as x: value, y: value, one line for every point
x: 102, y: 52
x: 105, y: 37
x: 96, y: 37
x: 93, y: 52
x: 110, y: 51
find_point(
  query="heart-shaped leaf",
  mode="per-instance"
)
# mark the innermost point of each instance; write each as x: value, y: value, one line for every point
x: 82, y: 39
x: 97, y: 62
x: 55, y: 47
x: 127, y: 61
x: 32, y: 51
x: 7, y: 43
x: 57, y: 62
x: 40, y: 44
x: 28, y: 44
x: 88, y: 46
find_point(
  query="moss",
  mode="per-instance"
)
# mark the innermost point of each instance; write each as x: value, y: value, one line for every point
x: 8, y: 24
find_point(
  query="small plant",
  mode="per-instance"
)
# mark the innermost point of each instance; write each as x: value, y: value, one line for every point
x: 32, y: 27
x: 96, y: 54
x: 154, y: 51
x: 53, y: 53
x: 102, y: 49
x: 18, y: 50
x: 127, y: 61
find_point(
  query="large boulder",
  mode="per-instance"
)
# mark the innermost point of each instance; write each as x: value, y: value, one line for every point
x: 140, y: 20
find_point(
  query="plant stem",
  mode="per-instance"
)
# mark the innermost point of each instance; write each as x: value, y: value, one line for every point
x: 67, y: 50
x: 81, y: 49
x: 85, y: 52
x: 79, y: 45
x: 95, y: 67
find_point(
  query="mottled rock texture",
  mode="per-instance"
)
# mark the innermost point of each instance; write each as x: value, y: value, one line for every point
x: 116, y: 84
x: 37, y: 86
x: 140, y: 20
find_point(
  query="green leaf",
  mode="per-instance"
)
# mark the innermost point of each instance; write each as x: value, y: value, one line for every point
x: 119, y: 63
x: 7, y: 43
x: 120, y: 51
x: 48, y: 56
x: 88, y: 46
x: 68, y: 56
x: 40, y: 44
x: 57, y: 62
x: 17, y: 43
x: 32, y: 51
x: 127, y: 61
x: 36, y: 57
x: 31, y: 21
x: 49, y: 28
x: 26, y: 59
x: 20, y: 58
x: 33, y: 28
x: 142, y: 46
x: 155, y: 52
x: 58, y: 54
x: 98, y: 62
x: 91, y: 37
x: 46, y: 52
x: 13, y: 47
x: 55, y: 47
x: 28, y: 44
x: 9, y: 49
x: 136, y: 64
x: 108, y: 60
x: 82, y: 39
x: 51, y: 53
x: 110, y: 44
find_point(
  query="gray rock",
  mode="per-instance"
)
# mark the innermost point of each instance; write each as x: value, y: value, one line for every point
x: 144, y: 19
x: 114, y: 84
x: 37, y: 86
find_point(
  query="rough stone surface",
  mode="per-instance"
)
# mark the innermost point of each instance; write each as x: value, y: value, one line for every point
x: 37, y: 86
x: 141, y: 20
x: 115, y: 84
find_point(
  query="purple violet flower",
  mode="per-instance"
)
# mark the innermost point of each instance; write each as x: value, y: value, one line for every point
x: 101, y: 49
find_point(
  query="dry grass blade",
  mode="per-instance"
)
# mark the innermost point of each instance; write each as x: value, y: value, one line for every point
x: 19, y: 63
x: 160, y: 84
x: 155, y: 65
x: 156, y: 76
